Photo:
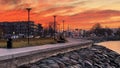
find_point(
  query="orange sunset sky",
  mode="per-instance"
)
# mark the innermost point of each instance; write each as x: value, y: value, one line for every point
x: 76, y: 13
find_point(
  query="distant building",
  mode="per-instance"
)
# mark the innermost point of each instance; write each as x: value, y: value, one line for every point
x: 18, y: 27
x: 38, y: 29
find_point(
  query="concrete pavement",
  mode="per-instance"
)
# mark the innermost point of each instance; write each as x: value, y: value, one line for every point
x: 17, y: 52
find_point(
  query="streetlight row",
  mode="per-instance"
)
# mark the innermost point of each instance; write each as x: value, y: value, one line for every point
x: 29, y: 9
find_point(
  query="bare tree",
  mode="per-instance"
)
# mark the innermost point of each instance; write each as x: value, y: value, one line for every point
x: 96, y: 26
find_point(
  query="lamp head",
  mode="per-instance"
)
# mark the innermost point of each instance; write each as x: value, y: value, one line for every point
x: 28, y: 9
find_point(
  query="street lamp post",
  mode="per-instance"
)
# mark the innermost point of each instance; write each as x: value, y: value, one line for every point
x: 63, y: 28
x: 28, y: 9
x: 63, y: 25
x: 54, y: 25
x: 59, y: 28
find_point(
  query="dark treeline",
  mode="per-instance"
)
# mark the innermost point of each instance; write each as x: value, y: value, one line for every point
x: 102, y: 34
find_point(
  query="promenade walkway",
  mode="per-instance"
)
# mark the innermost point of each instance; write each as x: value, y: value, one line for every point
x: 9, y: 53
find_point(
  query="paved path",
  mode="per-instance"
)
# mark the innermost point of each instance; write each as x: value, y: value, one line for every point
x: 4, y: 53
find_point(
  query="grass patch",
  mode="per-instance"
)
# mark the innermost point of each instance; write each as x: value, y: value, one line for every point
x: 19, y: 43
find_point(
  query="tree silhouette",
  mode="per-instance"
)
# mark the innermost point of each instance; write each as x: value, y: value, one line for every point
x: 40, y: 28
x: 108, y: 31
x: 1, y: 32
x: 96, y: 26
x: 51, y: 29
x: 99, y: 31
x: 118, y: 32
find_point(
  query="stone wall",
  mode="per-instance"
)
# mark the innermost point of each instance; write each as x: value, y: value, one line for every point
x: 93, y: 57
x: 17, y: 60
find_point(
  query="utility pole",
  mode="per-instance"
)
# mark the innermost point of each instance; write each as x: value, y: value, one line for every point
x: 54, y: 25
x: 63, y: 28
x: 28, y: 9
x: 68, y: 31
x: 59, y: 28
x: 63, y: 25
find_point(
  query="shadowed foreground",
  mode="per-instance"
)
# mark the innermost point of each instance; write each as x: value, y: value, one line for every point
x: 93, y: 57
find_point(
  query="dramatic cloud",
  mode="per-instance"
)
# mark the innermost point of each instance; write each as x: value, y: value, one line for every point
x: 95, y: 15
x: 78, y: 13
x: 9, y: 2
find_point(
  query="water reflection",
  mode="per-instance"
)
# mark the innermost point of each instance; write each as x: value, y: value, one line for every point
x: 114, y: 45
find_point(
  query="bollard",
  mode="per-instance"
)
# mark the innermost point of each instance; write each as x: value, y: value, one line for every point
x: 9, y: 43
